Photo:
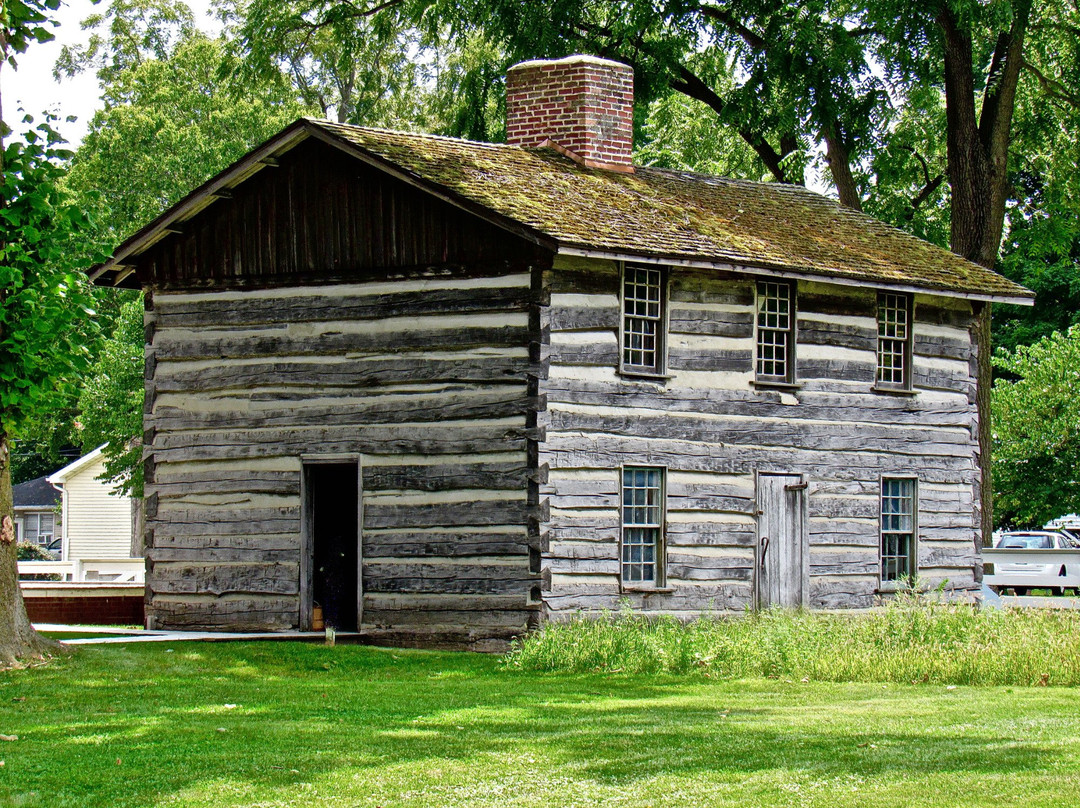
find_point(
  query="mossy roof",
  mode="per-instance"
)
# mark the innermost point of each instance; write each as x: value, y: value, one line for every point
x: 660, y: 213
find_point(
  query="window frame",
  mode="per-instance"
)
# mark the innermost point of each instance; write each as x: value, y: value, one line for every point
x: 659, y: 582
x: 905, y: 385
x: 659, y: 369
x: 893, y: 584
x: 789, y: 379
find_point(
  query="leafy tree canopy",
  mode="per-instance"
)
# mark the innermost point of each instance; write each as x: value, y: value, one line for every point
x: 1036, y: 440
x: 111, y: 401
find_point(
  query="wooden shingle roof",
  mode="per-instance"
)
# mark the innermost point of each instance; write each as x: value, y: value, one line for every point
x: 653, y: 213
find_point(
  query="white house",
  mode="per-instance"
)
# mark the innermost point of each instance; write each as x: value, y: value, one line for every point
x: 96, y: 521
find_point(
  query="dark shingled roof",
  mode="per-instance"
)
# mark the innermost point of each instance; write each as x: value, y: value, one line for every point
x: 667, y: 216
x: 35, y: 493
x: 678, y: 214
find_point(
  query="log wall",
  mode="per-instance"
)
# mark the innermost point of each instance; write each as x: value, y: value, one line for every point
x: 713, y: 430
x: 433, y: 398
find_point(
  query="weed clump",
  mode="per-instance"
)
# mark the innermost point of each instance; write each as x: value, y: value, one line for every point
x: 910, y: 640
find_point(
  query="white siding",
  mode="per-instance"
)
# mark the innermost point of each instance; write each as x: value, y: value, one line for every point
x: 97, y: 523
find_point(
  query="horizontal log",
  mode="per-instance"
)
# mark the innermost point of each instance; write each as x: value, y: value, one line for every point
x: 173, y: 346
x: 315, y: 308
x: 449, y: 514
x: 832, y: 369
x: 224, y: 578
x: 511, y: 475
x: 215, y: 555
x: 390, y: 578
x: 397, y: 410
x: 337, y: 372
x: 848, y: 408
x: 442, y: 601
x: 815, y: 332
x: 811, y: 436
x: 420, y: 439
x: 585, y: 318
x: 476, y: 621
x: 171, y: 484
x: 265, y: 613
x: 450, y: 543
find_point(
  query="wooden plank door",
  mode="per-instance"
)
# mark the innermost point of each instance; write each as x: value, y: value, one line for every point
x: 782, y: 574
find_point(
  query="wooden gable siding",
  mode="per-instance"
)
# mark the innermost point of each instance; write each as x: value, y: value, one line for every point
x: 714, y: 431
x: 423, y: 371
x: 320, y: 216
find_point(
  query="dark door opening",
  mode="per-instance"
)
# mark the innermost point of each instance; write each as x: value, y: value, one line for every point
x: 332, y: 494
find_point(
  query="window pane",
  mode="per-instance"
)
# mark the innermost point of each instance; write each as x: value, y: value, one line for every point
x: 774, y: 330
x: 642, y: 499
x: 894, y: 339
x: 642, y: 317
x: 897, y: 528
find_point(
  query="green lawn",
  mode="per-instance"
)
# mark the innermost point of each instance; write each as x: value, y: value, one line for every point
x: 281, y: 724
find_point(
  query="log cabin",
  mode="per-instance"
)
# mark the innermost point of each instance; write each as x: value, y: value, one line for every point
x: 448, y: 390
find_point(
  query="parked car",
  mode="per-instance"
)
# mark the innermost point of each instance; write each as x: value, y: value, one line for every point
x: 1036, y: 573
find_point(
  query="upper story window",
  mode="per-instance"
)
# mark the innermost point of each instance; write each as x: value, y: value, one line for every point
x: 642, y: 526
x: 643, y: 337
x: 894, y: 341
x: 775, y: 332
x: 898, y: 508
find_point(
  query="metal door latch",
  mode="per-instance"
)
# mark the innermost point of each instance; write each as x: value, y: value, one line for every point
x: 795, y: 487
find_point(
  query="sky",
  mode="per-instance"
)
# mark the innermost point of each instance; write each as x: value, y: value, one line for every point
x: 33, y: 88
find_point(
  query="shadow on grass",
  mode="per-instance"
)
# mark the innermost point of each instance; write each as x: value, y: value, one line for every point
x: 131, y: 725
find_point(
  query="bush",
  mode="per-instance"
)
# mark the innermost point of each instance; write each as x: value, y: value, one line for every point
x: 908, y: 641
x: 28, y: 551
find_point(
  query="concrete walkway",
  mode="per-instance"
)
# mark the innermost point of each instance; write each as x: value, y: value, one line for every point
x: 103, y: 635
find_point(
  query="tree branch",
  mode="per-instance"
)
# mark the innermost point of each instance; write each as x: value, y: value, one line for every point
x: 1052, y: 87
x: 691, y: 85
x: 751, y: 38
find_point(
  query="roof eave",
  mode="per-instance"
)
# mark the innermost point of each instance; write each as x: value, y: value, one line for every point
x: 60, y: 477
x: 795, y: 273
x: 197, y: 200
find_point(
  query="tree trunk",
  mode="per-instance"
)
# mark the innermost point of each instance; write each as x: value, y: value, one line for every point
x: 977, y: 149
x: 839, y: 160
x: 18, y: 640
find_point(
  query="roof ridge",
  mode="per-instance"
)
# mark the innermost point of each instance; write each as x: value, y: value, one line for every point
x: 379, y: 130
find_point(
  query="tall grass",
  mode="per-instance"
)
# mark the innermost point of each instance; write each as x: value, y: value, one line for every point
x: 908, y: 641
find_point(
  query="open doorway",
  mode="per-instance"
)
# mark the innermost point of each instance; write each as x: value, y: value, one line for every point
x: 331, y: 492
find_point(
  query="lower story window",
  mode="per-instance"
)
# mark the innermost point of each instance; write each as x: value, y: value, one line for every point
x: 897, y: 528
x: 642, y: 526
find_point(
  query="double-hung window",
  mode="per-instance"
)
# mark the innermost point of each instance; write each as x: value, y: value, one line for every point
x: 643, y: 338
x: 775, y: 332
x: 642, y: 526
x: 894, y: 341
x: 38, y: 528
x: 898, y: 528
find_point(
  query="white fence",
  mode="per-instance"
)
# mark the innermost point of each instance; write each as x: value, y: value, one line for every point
x: 117, y: 570
x: 1011, y: 568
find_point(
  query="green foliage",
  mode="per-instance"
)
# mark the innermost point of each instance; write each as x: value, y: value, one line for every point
x: 909, y: 641
x: 28, y: 551
x: 24, y: 22
x: 1036, y: 426
x: 358, y: 61
x: 45, y: 315
x: 136, y: 30
x: 48, y: 441
x: 680, y: 132
x: 168, y: 126
x: 111, y: 402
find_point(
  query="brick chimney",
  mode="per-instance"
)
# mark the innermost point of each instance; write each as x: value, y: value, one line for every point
x: 583, y: 106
